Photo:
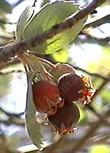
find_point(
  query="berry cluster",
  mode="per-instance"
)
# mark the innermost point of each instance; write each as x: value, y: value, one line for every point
x: 57, y: 98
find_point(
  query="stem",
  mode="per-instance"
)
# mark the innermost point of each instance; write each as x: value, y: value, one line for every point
x: 9, y: 51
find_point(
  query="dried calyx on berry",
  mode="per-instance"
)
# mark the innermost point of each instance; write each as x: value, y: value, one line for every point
x: 60, y: 69
x: 65, y: 119
x: 46, y: 97
x: 73, y: 87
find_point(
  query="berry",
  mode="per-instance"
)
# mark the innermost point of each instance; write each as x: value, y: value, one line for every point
x: 70, y: 85
x: 74, y: 87
x: 46, y: 97
x: 61, y: 69
x: 66, y: 118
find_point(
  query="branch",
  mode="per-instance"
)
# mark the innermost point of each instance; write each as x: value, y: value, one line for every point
x: 11, y: 121
x: 9, y: 51
x: 2, y: 21
x: 93, y: 39
x: 100, y: 88
x: 12, y: 71
x: 92, y: 74
x: 17, y: 3
x: 94, y: 96
x: 103, y: 20
x: 5, y: 37
x: 13, y: 118
x: 11, y: 115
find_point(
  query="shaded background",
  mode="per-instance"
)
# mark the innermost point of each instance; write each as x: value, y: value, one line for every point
x: 90, y: 54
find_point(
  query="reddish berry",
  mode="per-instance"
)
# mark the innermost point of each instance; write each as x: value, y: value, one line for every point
x: 70, y: 85
x: 74, y: 87
x: 46, y: 97
x: 65, y: 119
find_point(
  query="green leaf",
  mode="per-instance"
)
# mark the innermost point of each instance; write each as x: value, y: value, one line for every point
x: 47, y: 17
x: 5, y: 7
x: 23, y: 20
x: 33, y: 127
x: 64, y: 38
x: 40, y: 134
x: 61, y: 56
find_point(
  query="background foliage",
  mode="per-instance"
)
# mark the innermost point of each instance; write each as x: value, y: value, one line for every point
x: 89, y: 53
